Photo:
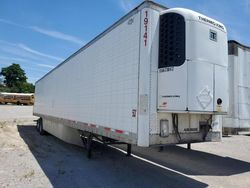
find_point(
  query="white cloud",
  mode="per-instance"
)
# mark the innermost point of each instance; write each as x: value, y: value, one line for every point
x: 13, y: 59
x: 34, y: 62
x: 45, y: 65
x: 21, y: 53
x: 13, y: 50
x: 50, y: 33
x: 58, y: 35
x: 11, y: 23
x: 32, y: 51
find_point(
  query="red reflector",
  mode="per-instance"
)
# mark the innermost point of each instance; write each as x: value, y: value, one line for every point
x: 119, y: 131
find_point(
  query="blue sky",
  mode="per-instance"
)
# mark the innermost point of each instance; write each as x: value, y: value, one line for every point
x: 40, y: 34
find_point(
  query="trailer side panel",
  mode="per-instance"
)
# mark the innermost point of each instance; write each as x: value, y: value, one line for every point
x: 104, y: 74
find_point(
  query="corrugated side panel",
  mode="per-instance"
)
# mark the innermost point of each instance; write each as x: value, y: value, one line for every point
x: 239, y: 91
x: 232, y: 73
x: 231, y: 120
x: 244, y: 85
x: 99, y: 85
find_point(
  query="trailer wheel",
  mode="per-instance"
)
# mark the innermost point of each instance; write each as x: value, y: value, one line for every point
x: 18, y: 103
x: 37, y: 124
x: 41, y: 131
x: 128, y: 150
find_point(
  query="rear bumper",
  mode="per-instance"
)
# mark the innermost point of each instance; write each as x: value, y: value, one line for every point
x: 185, y: 138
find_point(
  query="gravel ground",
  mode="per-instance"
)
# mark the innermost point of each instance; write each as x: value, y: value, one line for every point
x: 16, y: 114
x: 30, y: 160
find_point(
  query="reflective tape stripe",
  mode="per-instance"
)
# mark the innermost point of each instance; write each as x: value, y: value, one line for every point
x: 92, y: 125
x: 119, y: 131
x: 107, y: 129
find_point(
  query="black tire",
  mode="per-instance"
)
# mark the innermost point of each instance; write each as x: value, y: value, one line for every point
x: 37, y: 124
x: 41, y: 131
x: 18, y: 103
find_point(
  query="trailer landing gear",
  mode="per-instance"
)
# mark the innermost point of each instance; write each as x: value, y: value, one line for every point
x: 89, y: 146
x: 87, y: 142
x: 129, y: 150
x: 87, y: 139
x: 188, y: 145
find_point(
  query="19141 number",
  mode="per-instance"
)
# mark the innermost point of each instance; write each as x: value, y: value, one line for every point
x: 145, y: 35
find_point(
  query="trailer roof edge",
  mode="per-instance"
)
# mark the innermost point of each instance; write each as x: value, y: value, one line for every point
x: 237, y: 44
x: 144, y: 4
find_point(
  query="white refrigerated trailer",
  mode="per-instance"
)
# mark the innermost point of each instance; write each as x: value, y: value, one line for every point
x: 238, y: 118
x: 157, y: 76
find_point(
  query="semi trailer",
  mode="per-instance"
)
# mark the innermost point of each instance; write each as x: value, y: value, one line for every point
x: 238, y: 118
x: 157, y: 76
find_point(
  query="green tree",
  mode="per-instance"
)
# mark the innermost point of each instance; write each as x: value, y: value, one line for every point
x: 15, y: 80
x: 14, y: 76
x: 27, y: 88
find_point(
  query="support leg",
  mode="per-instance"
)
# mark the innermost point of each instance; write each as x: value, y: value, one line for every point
x: 188, y: 145
x: 129, y: 150
x: 89, y: 146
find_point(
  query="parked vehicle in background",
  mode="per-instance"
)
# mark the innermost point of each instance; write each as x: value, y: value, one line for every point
x: 157, y: 76
x: 238, y: 118
x: 17, y: 98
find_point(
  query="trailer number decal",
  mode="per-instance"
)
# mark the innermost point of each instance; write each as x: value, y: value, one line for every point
x: 145, y: 35
x: 166, y: 69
